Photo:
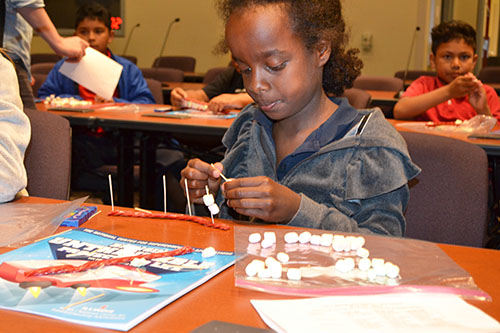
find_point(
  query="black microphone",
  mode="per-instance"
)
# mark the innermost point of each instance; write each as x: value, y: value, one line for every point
x: 168, y: 32
x: 400, y: 93
x: 129, y: 37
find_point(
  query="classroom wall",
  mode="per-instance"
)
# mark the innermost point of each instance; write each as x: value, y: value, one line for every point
x: 390, y: 22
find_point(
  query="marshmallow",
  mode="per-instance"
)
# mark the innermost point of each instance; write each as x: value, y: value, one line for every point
x: 364, y: 264
x: 349, y: 264
x: 294, y: 274
x: 259, y: 264
x: 251, y: 269
x: 208, y: 252
x: 326, y: 240
x: 254, y: 238
x: 270, y: 235
x: 362, y: 252
x: 315, y: 240
x: 283, y: 257
x: 266, y: 243
x: 391, y: 270
x: 371, y: 274
x: 291, y: 237
x: 338, y: 243
x: 208, y: 199
x: 214, y: 209
x: 305, y: 237
x: 264, y: 273
x: 270, y: 262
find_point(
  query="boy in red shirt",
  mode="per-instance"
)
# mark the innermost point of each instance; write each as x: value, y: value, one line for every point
x: 455, y: 93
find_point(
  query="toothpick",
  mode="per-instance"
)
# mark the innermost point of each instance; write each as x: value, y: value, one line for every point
x: 211, y: 215
x: 221, y: 174
x: 187, y: 196
x: 164, y: 194
x: 143, y: 210
x: 111, y: 192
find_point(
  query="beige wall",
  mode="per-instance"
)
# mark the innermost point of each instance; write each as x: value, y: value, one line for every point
x: 391, y: 23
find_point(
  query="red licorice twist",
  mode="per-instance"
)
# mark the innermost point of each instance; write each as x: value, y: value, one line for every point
x: 62, y: 269
x: 171, y: 216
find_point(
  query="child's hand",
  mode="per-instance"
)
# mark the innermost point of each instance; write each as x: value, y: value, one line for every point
x: 177, y: 95
x: 198, y: 175
x: 225, y: 101
x: 478, y: 99
x: 99, y: 99
x: 462, y: 86
x: 261, y: 197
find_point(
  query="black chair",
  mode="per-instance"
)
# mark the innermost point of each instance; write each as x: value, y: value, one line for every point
x: 163, y: 74
x: 358, y: 98
x: 449, y: 199
x: 48, y: 157
x: 130, y: 58
x: 184, y: 63
x: 44, y: 57
x: 489, y: 74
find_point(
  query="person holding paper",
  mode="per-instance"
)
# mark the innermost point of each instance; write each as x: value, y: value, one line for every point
x: 15, y: 133
x: 93, y: 24
x: 21, y: 17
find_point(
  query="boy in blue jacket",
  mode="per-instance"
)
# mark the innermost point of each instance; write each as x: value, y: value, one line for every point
x: 93, y: 24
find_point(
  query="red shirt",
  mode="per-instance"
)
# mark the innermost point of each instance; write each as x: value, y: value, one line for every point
x: 453, y: 109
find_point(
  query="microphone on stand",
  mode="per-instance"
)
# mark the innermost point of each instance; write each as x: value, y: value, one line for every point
x: 400, y: 93
x: 129, y: 37
x: 168, y: 33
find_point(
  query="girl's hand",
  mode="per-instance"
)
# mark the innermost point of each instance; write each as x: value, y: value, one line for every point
x: 177, y: 95
x: 198, y: 175
x: 261, y: 197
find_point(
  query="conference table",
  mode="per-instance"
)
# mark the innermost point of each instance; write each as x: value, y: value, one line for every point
x: 219, y: 298
x: 135, y: 121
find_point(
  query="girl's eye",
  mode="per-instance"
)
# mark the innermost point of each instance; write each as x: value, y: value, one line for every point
x: 277, y: 68
x: 245, y: 70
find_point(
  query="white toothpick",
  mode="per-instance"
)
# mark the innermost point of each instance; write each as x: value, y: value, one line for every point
x: 206, y: 189
x: 222, y: 176
x: 187, y: 196
x: 164, y: 194
x: 111, y: 192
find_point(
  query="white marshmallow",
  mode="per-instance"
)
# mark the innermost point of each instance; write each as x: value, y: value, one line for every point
x: 363, y: 252
x: 304, y: 237
x: 266, y: 243
x: 270, y: 235
x: 264, y: 273
x: 360, y: 240
x: 214, y: 209
x: 364, y: 264
x: 294, y: 274
x: 315, y: 239
x: 291, y: 237
x: 208, y: 252
x: 326, y: 239
x: 270, y: 262
x: 338, y: 243
x: 251, y: 269
x: 371, y: 274
x: 276, y: 271
x: 341, y: 266
x: 377, y: 262
x: 392, y: 271
x: 254, y: 238
x: 259, y: 264
x: 208, y: 199
x: 283, y: 257
x: 349, y: 264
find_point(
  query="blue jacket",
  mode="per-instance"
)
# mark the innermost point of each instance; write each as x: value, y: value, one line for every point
x: 132, y: 87
x: 357, y: 183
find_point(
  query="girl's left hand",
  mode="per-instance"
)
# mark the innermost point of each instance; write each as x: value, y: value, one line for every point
x: 261, y: 197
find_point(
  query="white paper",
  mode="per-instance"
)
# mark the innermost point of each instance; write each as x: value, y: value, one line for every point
x: 406, y: 312
x: 95, y: 71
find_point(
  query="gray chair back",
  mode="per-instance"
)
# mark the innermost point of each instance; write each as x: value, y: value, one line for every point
x: 156, y: 89
x: 132, y: 59
x: 449, y: 199
x: 184, y: 63
x: 39, y: 80
x: 48, y: 157
x: 212, y: 73
x: 414, y: 74
x: 163, y: 74
x: 490, y: 74
x: 358, y: 98
x: 42, y: 67
x: 44, y: 57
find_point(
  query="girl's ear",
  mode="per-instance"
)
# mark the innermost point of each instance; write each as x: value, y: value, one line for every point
x: 324, y: 50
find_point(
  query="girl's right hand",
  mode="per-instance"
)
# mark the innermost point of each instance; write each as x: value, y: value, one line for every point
x: 177, y: 95
x: 198, y: 175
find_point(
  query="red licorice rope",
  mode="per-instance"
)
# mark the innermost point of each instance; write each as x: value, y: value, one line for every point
x: 61, y: 269
x: 171, y: 216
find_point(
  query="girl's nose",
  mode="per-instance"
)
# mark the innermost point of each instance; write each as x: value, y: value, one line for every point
x: 258, y: 82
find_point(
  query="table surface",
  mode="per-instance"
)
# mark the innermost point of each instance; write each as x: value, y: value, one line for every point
x: 124, y: 117
x: 219, y: 299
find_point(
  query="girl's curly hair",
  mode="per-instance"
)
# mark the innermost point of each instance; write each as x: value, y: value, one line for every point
x: 313, y: 21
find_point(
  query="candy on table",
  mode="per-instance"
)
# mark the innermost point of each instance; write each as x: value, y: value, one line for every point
x: 315, y: 240
x: 79, y: 216
x: 254, y: 238
x: 283, y: 257
x: 305, y: 237
x: 362, y: 252
x: 52, y: 100
x: 270, y: 235
x: 188, y: 103
x: 208, y: 252
x: 391, y: 270
x: 209, y: 201
x: 326, y: 240
x: 364, y: 264
x: 294, y: 274
x: 264, y: 273
x: 266, y: 243
x: 291, y: 237
x: 338, y: 243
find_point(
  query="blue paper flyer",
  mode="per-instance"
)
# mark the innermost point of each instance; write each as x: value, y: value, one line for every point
x: 117, y: 296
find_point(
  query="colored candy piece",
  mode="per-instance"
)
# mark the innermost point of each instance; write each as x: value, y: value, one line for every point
x: 79, y: 216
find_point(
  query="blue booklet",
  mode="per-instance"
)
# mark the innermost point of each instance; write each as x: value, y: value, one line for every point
x: 114, y: 296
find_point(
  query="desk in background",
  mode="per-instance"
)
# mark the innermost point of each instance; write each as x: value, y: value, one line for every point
x: 219, y: 299
x: 130, y: 124
x: 167, y: 88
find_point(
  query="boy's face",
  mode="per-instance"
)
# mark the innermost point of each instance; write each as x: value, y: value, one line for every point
x: 95, y: 33
x: 452, y: 59
x: 279, y: 73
